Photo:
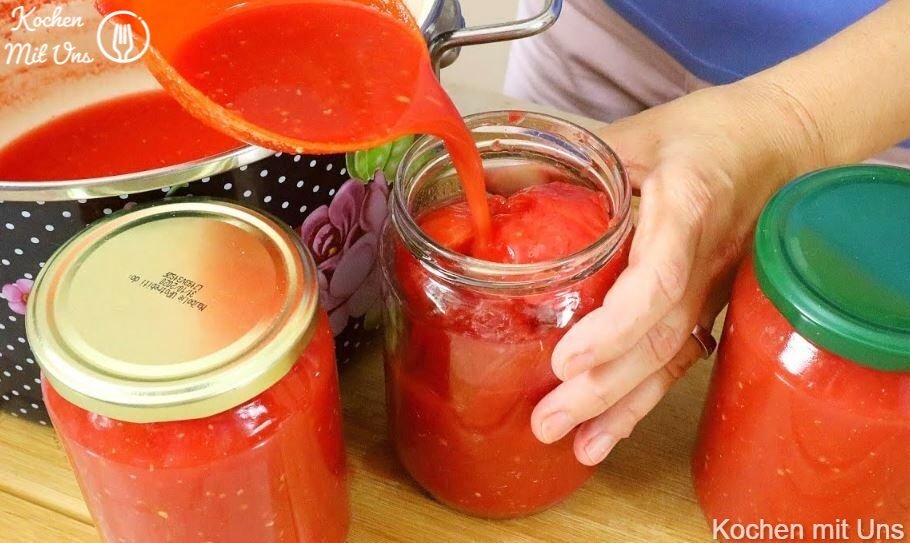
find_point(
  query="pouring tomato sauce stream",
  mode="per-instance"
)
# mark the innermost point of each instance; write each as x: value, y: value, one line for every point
x: 316, y: 76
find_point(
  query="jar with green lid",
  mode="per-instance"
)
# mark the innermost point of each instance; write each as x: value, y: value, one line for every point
x: 807, y: 422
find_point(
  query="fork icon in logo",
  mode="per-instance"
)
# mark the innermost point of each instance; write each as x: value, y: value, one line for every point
x: 123, y: 44
x: 117, y: 37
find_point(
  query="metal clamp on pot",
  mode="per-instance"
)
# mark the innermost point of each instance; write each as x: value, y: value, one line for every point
x: 446, y: 32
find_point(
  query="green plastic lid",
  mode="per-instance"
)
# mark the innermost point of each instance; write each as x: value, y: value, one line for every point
x: 832, y: 253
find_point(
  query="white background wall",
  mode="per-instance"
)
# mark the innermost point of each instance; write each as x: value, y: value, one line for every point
x: 483, y: 66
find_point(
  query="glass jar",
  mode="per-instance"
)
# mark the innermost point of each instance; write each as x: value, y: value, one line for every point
x: 190, y: 375
x: 469, y: 342
x: 808, y: 417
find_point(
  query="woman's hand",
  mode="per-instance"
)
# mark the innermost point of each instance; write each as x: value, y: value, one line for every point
x: 704, y: 165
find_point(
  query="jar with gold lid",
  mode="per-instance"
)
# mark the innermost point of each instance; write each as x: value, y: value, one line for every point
x: 190, y: 375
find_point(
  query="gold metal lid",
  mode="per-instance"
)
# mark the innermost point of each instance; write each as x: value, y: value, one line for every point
x: 173, y: 311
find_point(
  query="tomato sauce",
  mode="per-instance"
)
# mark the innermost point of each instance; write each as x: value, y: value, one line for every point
x: 133, y: 133
x: 471, y: 366
x: 271, y: 470
x: 794, y: 434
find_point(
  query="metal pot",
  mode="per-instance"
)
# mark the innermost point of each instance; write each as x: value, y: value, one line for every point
x: 37, y: 217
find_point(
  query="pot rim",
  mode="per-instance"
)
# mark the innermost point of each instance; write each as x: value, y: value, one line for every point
x: 131, y: 183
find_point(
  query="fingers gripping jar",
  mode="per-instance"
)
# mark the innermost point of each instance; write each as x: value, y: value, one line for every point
x: 469, y: 342
x: 190, y: 375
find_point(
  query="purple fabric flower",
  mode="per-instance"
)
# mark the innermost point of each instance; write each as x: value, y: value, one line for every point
x: 344, y: 239
x: 16, y: 295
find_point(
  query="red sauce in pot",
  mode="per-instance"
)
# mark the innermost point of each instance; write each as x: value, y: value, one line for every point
x: 130, y: 134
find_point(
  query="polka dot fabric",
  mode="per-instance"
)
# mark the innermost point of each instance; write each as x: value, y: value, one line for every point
x: 290, y: 187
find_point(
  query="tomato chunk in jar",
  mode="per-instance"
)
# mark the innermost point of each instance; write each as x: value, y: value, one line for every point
x: 469, y: 356
x: 807, y: 422
x: 198, y: 415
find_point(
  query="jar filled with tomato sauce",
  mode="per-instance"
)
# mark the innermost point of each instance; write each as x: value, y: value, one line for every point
x: 807, y: 423
x: 191, y: 378
x: 470, y: 329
